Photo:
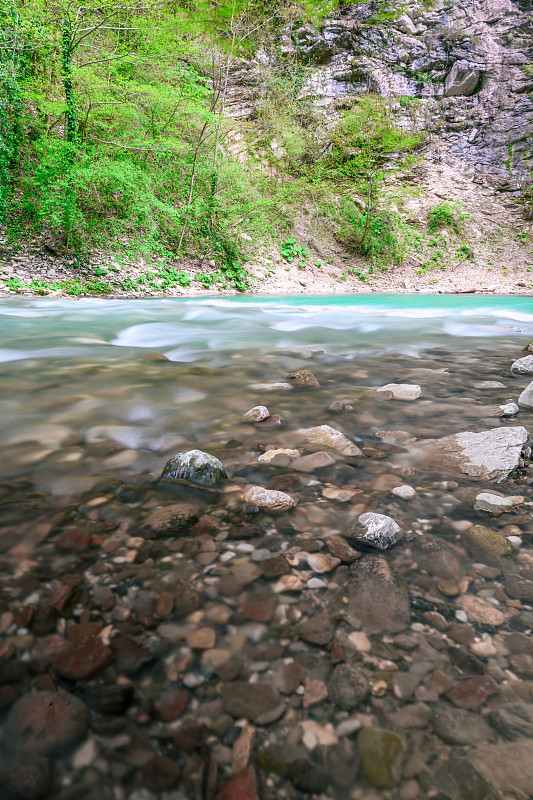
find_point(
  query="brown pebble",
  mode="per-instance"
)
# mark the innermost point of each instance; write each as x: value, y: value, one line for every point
x: 201, y: 639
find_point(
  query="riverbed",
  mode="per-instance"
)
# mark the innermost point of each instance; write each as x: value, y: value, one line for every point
x: 212, y: 647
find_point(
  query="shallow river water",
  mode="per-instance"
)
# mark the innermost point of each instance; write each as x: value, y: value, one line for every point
x: 162, y: 640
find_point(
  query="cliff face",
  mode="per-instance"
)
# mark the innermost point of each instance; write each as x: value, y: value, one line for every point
x: 467, y: 61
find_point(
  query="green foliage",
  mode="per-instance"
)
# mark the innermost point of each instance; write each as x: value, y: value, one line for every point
x: 290, y: 249
x: 445, y: 215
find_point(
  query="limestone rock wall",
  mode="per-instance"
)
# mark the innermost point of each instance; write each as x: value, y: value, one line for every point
x: 466, y: 60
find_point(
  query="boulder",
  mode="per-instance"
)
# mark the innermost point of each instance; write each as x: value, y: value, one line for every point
x: 195, y: 466
x: 489, y: 455
x: 375, y: 530
x: 462, y: 80
x: 523, y: 366
x: 526, y: 398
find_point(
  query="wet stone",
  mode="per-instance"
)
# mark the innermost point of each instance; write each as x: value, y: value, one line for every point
x: 288, y: 677
x: 377, y: 597
x: 486, y: 542
x: 25, y: 779
x: 317, y: 629
x: 326, y: 436
x: 313, y: 461
x: 249, y: 700
x: 82, y: 658
x: 401, y: 391
x: 196, y: 467
x: 348, y: 687
x: 269, y: 499
x: 457, y: 726
x: 473, y: 692
x: 492, y: 504
x: 242, y: 786
x: 46, y: 723
x: 479, y: 610
x: 375, y: 531
x: 519, y: 587
x: 160, y: 774
x: 275, y: 567
x: 523, y: 366
x: 173, y: 519
x: 340, y: 548
x: 383, y: 754
x: 513, y: 721
x: 256, y: 414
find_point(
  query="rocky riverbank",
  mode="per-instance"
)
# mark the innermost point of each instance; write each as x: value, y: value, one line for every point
x: 291, y: 610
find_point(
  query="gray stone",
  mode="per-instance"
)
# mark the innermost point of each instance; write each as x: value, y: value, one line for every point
x: 195, y: 466
x: 523, y: 366
x: 375, y: 530
x: 268, y: 499
x: 513, y: 722
x: 256, y: 414
x: 46, y: 723
x: 462, y: 80
x: 492, y: 503
x: 490, y: 455
x: 507, y: 409
x: 506, y: 767
x: 460, y: 727
x: 326, y: 436
x: 406, y: 492
x: 526, y: 398
x: 313, y: 461
x: 348, y: 687
x: 402, y: 391
x: 377, y: 597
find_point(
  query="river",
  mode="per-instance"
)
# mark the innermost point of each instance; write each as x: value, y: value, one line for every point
x: 211, y: 643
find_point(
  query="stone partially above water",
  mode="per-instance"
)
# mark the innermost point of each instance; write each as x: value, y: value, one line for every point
x: 493, y: 504
x: 195, y: 466
x: 490, y: 455
x: 256, y: 414
x: 375, y: 530
x: 268, y: 499
x: 326, y: 436
x: 524, y: 366
x: 402, y: 391
x: 526, y: 398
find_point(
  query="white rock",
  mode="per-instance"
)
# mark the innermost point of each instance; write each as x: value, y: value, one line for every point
x: 509, y: 409
x: 316, y: 583
x: 278, y: 458
x: 524, y: 366
x: 493, y: 503
x: 256, y: 414
x: 315, y: 734
x: 322, y: 562
x: 330, y: 437
x: 402, y: 391
x: 271, y: 387
x: 405, y: 492
x: 360, y: 641
x: 490, y: 455
x: 406, y: 24
x: 526, y: 398
x: 514, y: 541
x: 84, y: 755
x: 268, y: 499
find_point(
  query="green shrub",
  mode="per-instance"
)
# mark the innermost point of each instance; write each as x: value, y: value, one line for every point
x: 445, y: 215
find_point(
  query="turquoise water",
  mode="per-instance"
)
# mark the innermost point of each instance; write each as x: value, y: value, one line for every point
x: 193, y: 329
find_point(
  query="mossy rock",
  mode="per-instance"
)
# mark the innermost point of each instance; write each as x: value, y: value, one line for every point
x: 487, y: 542
x: 382, y: 755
